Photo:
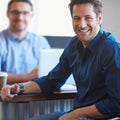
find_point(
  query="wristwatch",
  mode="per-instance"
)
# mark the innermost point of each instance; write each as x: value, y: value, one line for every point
x: 21, y: 88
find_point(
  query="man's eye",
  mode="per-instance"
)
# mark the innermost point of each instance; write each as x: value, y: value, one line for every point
x: 15, y: 12
x: 76, y: 18
x: 88, y: 18
x: 26, y: 13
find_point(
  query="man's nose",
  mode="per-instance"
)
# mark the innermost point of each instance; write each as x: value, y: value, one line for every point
x: 82, y: 23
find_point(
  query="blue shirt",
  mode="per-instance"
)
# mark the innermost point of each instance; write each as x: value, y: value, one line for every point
x: 96, y: 70
x: 20, y: 56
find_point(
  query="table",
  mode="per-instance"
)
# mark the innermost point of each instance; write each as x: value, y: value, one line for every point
x: 23, y: 107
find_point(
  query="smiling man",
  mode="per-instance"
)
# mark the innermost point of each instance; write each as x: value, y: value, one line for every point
x: 19, y: 54
x: 86, y: 23
x: 93, y: 57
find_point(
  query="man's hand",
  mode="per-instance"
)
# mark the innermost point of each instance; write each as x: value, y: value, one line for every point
x: 32, y: 74
x: 17, y: 78
x: 7, y: 93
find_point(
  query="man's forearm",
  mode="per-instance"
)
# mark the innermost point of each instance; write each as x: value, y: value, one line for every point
x: 31, y: 87
x: 16, y: 78
x: 89, y: 112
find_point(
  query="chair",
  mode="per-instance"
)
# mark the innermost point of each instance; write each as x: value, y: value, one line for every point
x: 58, y: 41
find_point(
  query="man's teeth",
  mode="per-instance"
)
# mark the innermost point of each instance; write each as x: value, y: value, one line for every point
x: 83, y: 30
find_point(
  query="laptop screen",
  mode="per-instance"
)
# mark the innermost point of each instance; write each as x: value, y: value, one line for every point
x: 48, y: 60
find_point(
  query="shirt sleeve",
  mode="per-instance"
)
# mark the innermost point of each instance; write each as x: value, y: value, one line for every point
x: 3, y: 51
x: 0, y: 63
x: 55, y: 78
x: 110, y: 105
x: 44, y: 42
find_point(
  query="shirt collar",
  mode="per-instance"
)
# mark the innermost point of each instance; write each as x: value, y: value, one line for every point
x: 14, y: 37
x: 93, y: 45
x: 96, y: 41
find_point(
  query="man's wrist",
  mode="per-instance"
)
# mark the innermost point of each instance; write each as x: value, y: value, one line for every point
x: 21, y: 88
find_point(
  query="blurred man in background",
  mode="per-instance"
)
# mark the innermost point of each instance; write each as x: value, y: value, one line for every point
x: 19, y: 54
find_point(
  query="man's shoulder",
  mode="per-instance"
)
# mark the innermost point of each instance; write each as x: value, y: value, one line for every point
x: 110, y: 44
x: 2, y: 33
x: 74, y: 41
x: 38, y: 40
x: 36, y: 37
x: 3, y: 36
x: 111, y: 40
x: 72, y: 45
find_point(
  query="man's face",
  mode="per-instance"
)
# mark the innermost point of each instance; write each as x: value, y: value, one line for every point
x: 19, y: 15
x: 85, y: 22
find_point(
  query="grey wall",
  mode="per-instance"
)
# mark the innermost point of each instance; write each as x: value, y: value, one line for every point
x: 111, y: 16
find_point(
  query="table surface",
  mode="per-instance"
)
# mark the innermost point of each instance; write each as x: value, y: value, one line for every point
x: 39, y: 97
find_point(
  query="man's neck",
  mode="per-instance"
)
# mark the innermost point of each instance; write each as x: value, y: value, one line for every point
x: 85, y: 44
x: 20, y: 34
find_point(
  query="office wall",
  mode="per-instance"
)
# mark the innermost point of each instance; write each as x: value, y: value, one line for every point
x: 111, y: 21
x: 52, y: 17
x: 57, y: 19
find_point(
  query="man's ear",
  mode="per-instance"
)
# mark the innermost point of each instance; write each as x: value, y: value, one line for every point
x: 32, y: 15
x: 100, y: 18
x: 7, y: 14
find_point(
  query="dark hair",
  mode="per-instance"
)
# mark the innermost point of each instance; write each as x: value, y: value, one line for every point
x: 26, y: 1
x: 97, y: 4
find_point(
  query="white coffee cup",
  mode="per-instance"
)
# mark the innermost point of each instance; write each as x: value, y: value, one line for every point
x: 3, y: 79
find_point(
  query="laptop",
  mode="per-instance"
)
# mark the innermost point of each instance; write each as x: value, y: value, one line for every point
x: 48, y: 60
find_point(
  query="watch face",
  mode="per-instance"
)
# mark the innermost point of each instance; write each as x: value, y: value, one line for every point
x: 21, y: 88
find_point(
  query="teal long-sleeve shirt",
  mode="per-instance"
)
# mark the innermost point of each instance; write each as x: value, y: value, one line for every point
x: 96, y: 70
